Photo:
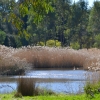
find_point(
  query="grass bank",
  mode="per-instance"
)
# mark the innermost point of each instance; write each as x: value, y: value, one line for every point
x: 49, y: 97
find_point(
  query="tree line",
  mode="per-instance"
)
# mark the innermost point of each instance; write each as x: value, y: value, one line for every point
x: 50, y: 23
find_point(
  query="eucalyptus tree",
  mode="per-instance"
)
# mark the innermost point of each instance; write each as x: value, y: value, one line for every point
x: 62, y: 12
x: 78, y: 22
x: 4, y: 12
x: 37, y: 8
x: 94, y: 24
x: 5, y: 25
x: 39, y: 31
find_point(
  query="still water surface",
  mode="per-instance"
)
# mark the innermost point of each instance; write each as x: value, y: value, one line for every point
x: 63, y: 81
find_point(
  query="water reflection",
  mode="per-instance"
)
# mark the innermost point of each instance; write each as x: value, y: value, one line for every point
x: 65, y: 81
x: 8, y: 87
x: 66, y: 74
x: 65, y: 87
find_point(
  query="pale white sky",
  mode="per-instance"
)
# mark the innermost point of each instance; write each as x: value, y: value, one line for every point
x: 90, y: 2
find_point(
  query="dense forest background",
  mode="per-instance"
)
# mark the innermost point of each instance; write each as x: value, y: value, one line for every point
x: 70, y: 24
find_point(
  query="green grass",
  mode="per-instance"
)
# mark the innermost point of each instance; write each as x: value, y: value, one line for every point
x: 49, y: 97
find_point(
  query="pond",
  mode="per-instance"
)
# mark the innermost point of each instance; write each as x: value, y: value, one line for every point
x: 60, y: 81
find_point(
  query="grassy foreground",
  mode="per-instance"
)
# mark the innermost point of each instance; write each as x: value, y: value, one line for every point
x: 49, y: 97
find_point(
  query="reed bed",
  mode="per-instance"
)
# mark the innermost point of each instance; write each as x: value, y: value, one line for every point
x: 10, y: 65
x: 48, y: 57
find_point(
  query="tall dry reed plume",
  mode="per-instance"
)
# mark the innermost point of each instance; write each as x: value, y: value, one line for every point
x: 46, y: 57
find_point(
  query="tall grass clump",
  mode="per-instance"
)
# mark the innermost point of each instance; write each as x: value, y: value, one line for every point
x: 26, y: 86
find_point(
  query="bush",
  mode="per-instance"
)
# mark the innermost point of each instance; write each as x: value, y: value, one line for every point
x: 91, y: 89
x: 75, y: 45
x: 52, y: 43
x: 97, y: 41
x: 2, y: 36
x: 40, y: 43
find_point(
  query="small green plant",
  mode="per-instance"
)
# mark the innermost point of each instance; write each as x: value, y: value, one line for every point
x: 91, y: 89
x: 18, y: 95
x: 43, y: 91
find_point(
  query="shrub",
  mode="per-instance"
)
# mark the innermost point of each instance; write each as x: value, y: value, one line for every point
x: 75, y: 45
x: 93, y: 85
x: 40, y: 43
x: 52, y: 43
x: 2, y: 36
x: 92, y: 89
x: 97, y: 41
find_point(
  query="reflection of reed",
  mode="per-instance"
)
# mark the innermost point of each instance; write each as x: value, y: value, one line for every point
x: 7, y: 79
x: 46, y: 80
x: 41, y: 80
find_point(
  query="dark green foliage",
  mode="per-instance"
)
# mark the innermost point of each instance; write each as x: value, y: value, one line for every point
x: 93, y: 24
x: 2, y: 36
x: 91, y: 89
x: 53, y: 43
x: 69, y: 23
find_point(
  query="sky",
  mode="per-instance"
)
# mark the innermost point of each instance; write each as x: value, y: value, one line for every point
x: 90, y: 2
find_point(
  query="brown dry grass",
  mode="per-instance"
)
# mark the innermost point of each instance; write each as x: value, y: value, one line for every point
x: 46, y: 57
x: 26, y: 86
x: 9, y: 63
